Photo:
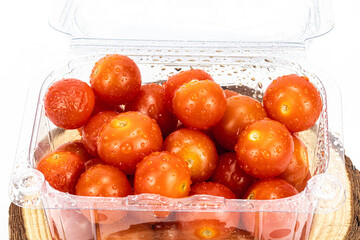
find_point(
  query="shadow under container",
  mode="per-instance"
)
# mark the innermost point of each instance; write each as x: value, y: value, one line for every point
x: 237, y: 60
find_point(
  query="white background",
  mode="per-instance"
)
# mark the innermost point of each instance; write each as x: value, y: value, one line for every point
x: 29, y: 46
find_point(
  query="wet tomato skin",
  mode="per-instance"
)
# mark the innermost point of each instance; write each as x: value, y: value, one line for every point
x: 264, y: 149
x: 127, y: 139
x: 91, y: 130
x: 230, y: 93
x: 151, y: 101
x: 270, y: 189
x: 92, y: 162
x: 175, y: 81
x: 76, y: 147
x: 240, y: 112
x: 163, y: 173
x: 196, y: 149
x: 199, y: 104
x: 230, y: 174
x: 61, y: 170
x: 69, y: 103
x: 116, y: 79
x: 294, y: 101
x: 213, y: 189
x: 298, y: 167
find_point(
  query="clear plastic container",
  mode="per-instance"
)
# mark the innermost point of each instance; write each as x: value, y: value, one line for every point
x: 243, y: 45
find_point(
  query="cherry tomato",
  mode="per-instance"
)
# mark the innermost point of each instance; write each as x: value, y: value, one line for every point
x: 76, y: 147
x: 101, y: 106
x: 208, y: 225
x: 212, y: 188
x: 116, y: 79
x: 293, y: 101
x: 229, y: 93
x: 196, y: 149
x: 230, y: 174
x: 151, y: 101
x: 264, y: 149
x: 127, y: 139
x: 301, y: 186
x: 61, y: 170
x: 163, y: 173
x: 175, y: 81
x: 126, y: 229
x: 274, y: 225
x: 69, y: 103
x: 199, y: 104
x: 91, y: 130
x: 92, y: 162
x: 298, y: 167
x: 103, y: 181
x: 240, y: 112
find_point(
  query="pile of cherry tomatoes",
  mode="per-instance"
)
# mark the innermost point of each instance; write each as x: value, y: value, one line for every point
x: 187, y: 136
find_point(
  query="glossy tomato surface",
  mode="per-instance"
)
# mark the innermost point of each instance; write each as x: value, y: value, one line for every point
x: 229, y: 173
x: 264, y: 149
x: 61, y: 170
x: 213, y: 189
x: 76, y: 147
x: 92, y: 162
x: 230, y: 93
x: 69, y: 103
x: 175, y: 81
x: 91, y: 130
x: 199, y: 104
x: 270, y: 189
x: 196, y: 149
x: 163, y: 173
x: 298, y: 167
x: 151, y: 101
x: 116, y: 79
x: 127, y: 139
x: 294, y: 101
x: 240, y: 112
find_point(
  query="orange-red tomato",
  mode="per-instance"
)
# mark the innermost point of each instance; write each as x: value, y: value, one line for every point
x: 69, y: 103
x: 196, y: 149
x: 229, y: 173
x: 163, y: 173
x: 240, y: 112
x: 103, y: 181
x: 274, y: 225
x: 175, y: 81
x: 91, y: 130
x: 151, y: 101
x: 61, y: 170
x: 294, y: 101
x: 298, y: 167
x: 301, y: 186
x: 199, y: 104
x: 230, y: 93
x: 212, y: 188
x: 127, y: 139
x: 76, y: 147
x: 116, y: 79
x: 92, y: 162
x: 264, y: 149
x: 101, y: 106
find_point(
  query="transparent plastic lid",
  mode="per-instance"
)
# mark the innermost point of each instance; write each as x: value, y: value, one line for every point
x: 290, y: 21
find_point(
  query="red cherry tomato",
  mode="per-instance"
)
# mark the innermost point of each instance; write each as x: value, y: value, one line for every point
x: 208, y: 225
x: 298, y: 167
x: 103, y: 181
x: 163, y: 173
x: 151, y: 101
x: 240, y: 112
x: 69, y: 103
x: 127, y: 139
x: 175, y: 81
x: 274, y: 225
x: 264, y: 149
x: 61, y: 170
x: 229, y: 93
x: 293, y: 101
x: 196, y: 149
x: 212, y: 188
x: 301, y: 186
x: 76, y: 147
x: 92, y: 162
x: 199, y: 104
x: 116, y: 79
x: 91, y: 130
x: 230, y: 174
